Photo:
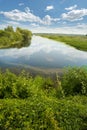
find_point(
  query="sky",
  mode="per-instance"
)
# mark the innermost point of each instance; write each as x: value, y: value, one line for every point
x: 45, y: 16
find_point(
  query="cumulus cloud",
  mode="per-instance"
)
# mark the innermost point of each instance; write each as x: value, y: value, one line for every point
x: 21, y: 4
x: 28, y: 16
x: 50, y: 7
x: 71, y: 7
x: 34, y: 25
x: 47, y: 20
x: 18, y: 15
x: 12, y: 22
x: 74, y: 15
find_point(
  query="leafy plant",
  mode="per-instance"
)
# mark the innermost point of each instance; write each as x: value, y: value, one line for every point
x: 75, y: 81
x: 41, y: 103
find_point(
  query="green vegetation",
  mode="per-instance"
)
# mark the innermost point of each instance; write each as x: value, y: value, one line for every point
x: 79, y: 42
x: 11, y: 38
x: 39, y: 103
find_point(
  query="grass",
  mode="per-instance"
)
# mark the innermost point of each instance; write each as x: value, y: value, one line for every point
x: 79, y: 42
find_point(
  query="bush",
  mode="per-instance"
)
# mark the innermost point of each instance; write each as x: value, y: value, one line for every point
x: 12, y: 86
x: 35, y: 104
x: 75, y: 81
x: 33, y: 114
x: 42, y: 113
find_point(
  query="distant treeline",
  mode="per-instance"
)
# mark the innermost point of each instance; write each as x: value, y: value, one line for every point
x: 18, y: 38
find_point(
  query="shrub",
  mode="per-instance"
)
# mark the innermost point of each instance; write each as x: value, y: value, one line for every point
x: 34, y: 104
x: 42, y: 113
x: 75, y: 81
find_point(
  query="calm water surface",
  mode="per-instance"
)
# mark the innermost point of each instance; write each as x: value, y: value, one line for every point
x: 43, y: 53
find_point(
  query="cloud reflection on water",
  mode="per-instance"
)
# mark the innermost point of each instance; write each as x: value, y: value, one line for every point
x: 46, y: 50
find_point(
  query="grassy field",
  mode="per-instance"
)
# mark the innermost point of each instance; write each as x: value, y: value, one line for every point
x: 79, y: 42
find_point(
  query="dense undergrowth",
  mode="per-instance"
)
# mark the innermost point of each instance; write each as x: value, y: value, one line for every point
x: 40, y: 103
x: 18, y: 38
x: 79, y: 42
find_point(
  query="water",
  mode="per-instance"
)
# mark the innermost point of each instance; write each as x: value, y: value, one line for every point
x: 43, y: 54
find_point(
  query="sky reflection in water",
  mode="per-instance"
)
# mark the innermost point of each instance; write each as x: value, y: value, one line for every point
x: 44, y: 53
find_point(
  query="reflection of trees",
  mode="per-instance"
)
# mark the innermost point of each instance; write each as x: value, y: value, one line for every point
x: 26, y: 36
x: 11, y: 38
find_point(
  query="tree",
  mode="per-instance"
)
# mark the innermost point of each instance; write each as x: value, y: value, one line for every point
x: 9, y: 29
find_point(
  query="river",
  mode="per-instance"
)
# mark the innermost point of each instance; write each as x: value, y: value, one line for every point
x: 43, y: 55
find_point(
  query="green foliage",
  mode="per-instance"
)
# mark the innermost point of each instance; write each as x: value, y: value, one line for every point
x: 11, y: 38
x: 12, y: 86
x: 40, y: 112
x: 9, y: 29
x: 75, y: 81
x: 70, y: 113
x: 79, y: 42
x: 26, y: 36
x: 39, y: 103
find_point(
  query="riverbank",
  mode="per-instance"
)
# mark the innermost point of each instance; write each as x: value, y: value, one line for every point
x: 14, y: 39
x: 79, y: 42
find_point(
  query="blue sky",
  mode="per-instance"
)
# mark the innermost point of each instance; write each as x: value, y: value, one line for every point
x: 50, y: 16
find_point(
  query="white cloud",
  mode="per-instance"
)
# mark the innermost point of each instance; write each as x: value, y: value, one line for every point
x: 34, y: 25
x: 21, y: 4
x: 77, y: 29
x: 28, y: 16
x: 47, y: 20
x: 50, y: 7
x: 74, y: 15
x: 2, y: 26
x: 82, y: 26
x: 27, y: 10
x: 18, y: 15
x: 71, y: 7
x: 12, y: 22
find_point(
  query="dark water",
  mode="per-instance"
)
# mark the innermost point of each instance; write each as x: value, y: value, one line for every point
x: 43, y: 54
